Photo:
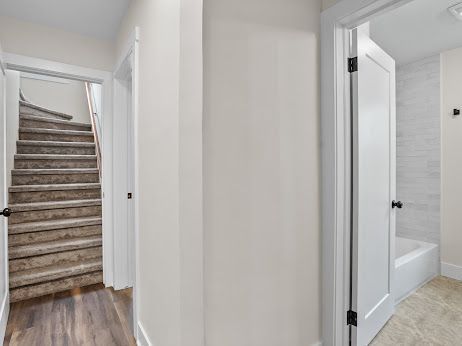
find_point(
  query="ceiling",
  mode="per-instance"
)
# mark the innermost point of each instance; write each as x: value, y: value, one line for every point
x: 417, y: 30
x: 96, y: 18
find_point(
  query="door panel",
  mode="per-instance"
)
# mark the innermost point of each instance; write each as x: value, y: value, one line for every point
x: 373, y: 237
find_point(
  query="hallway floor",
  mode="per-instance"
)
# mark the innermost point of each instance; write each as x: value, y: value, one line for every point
x: 91, y: 315
x: 430, y: 316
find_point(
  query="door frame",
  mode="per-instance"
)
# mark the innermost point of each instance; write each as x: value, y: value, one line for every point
x: 4, y: 303
x: 126, y: 105
x: 56, y: 69
x: 336, y: 138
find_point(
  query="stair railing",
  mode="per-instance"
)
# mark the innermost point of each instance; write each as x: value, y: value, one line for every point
x: 21, y: 96
x: 95, y: 123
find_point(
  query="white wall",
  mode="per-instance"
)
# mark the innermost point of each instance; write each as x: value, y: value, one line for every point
x: 65, y: 96
x: 418, y: 159
x: 261, y: 172
x: 451, y: 191
x: 170, y: 157
x: 190, y: 173
x: 43, y: 42
x: 12, y: 119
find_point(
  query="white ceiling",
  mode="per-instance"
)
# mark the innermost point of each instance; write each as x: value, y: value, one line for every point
x: 95, y: 18
x: 417, y: 30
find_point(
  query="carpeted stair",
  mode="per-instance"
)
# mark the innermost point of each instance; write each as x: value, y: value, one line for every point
x: 54, y: 232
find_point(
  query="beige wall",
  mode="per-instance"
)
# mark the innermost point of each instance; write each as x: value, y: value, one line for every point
x: 451, y: 190
x: 170, y: 158
x: 66, y: 96
x: 43, y: 42
x: 328, y: 3
x: 261, y: 172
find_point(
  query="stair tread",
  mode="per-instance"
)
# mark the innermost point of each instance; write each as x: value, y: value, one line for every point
x: 38, y: 226
x: 52, y: 219
x: 55, y: 131
x: 43, y: 109
x: 55, y: 144
x: 55, y: 246
x: 54, y: 205
x: 31, y: 171
x: 54, y: 187
x: 54, y: 272
x: 53, y: 157
x: 51, y: 120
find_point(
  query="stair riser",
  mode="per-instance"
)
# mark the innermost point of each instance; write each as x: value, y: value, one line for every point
x: 49, y: 125
x: 25, y: 110
x: 18, y: 252
x: 18, y: 281
x: 30, y: 149
x: 54, y: 163
x: 61, y: 258
x: 31, y: 136
x: 37, y: 179
x: 48, y: 196
x: 33, y: 291
x: 54, y: 214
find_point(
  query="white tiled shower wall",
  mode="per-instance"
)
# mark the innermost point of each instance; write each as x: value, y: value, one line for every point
x: 418, y: 149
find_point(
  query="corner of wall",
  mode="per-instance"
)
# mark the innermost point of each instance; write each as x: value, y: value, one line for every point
x: 142, y: 338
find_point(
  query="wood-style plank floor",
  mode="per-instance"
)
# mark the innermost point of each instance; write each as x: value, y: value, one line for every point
x: 91, y: 315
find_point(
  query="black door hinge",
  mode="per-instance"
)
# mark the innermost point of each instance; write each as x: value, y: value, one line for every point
x: 353, y: 64
x: 129, y: 195
x: 352, y: 318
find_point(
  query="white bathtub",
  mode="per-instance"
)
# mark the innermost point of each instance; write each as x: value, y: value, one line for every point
x: 416, y: 263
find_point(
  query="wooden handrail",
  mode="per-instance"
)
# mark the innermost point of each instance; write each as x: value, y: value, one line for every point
x: 93, y: 117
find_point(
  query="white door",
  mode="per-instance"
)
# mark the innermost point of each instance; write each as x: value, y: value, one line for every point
x: 4, y: 302
x: 374, y: 184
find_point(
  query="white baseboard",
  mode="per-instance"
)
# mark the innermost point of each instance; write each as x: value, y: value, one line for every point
x: 142, y: 338
x: 451, y: 271
x: 4, y: 311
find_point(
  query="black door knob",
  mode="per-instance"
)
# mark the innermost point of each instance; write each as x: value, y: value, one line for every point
x: 6, y: 212
x: 398, y: 204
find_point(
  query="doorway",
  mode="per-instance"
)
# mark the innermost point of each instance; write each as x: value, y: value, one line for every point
x: 414, y: 261
x: 35, y: 70
x: 125, y: 165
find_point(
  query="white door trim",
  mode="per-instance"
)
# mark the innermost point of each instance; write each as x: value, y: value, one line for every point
x: 128, y: 68
x: 335, y: 136
x: 5, y: 303
x: 61, y: 70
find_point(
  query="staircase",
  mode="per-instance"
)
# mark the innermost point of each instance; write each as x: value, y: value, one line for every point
x: 54, y: 232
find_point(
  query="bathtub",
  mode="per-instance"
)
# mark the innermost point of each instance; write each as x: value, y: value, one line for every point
x: 416, y: 262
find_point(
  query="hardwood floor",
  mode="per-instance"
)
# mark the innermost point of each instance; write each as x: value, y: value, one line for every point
x: 91, y: 315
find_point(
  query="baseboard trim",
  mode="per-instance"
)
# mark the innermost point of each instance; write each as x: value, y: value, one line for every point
x: 451, y: 271
x: 142, y: 338
x: 4, y: 311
